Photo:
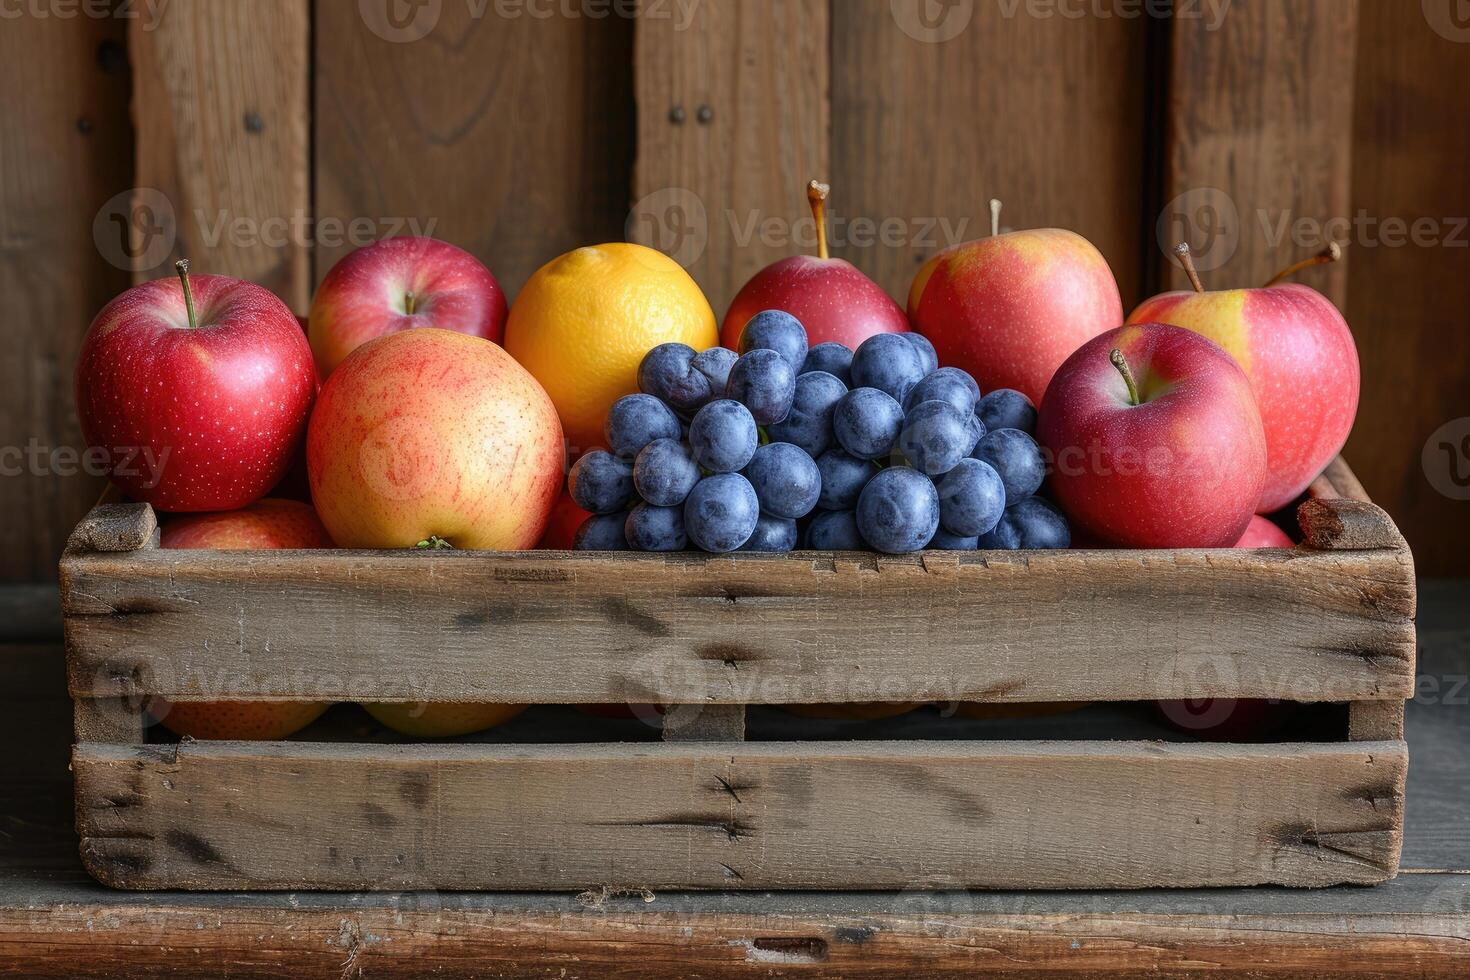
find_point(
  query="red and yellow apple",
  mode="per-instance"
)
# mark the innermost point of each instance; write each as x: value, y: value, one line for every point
x: 400, y: 284
x: 434, y: 436
x: 831, y: 298
x: 265, y: 525
x: 1010, y: 308
x: 445, y: 720
x: 1299, y: 354
x: 196, y: 390
x: 1155, y: 440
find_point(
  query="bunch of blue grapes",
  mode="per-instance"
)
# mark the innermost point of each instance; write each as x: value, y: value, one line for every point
x: 782, y: 445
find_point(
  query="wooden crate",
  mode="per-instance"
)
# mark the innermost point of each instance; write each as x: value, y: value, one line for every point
x: 1329, y: 621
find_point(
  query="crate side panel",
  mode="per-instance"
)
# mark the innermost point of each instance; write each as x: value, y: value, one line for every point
x: 705, y: 816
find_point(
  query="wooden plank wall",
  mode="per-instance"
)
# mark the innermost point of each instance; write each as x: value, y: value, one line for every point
x: 519, y: 136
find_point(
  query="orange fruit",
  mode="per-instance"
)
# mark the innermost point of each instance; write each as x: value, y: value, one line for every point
x: 268, y: 721
x: 583, y: 322
x: 442, y: 720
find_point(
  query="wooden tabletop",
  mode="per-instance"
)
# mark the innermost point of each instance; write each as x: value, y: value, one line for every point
x: 56, y: 922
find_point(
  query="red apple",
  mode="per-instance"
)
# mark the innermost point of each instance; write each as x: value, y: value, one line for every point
x: 1155, y: 440
x: 1299, y: 354
x: 398, y: 284
x: 561, y: 529
x: 197, y: 391
x: 1225, y: 719
x: 266, y: 524
x: 1010, y: 308
x: 434, y: 436
x: 831, y: 298
x: 1261, y: 533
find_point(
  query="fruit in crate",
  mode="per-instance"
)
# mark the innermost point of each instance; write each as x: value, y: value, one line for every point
x: 1155, y: 439
x: 1299, y: 354
x: 431, y: 436
x: 1009, y: 309
x: 196, y: 390
x: 585, y: 321
x: 265, y: 524
x: 1262, y: 533
x: 561, y: 527
x: 449, y: 720
x: 833, y: 300
x: 399, y: 284
x: 771, y: 460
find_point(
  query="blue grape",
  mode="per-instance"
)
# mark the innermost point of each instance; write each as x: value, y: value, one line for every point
x: 715, y: 364
x: 650, y: 528
x: 947, y: 384
x: 1018, y: 460
x: 765, y: 383
x: 668, y: 373
x: 772, y: 534
x: 1006, y: 408
x: 927, y: 354
x: 834, y: 530
x: 601, y: 482
x: 786, y: 480
x: 723, y: 436
x: 779, y: 331
x: 972, y: 498
x: 843, y: 479
x: 936, y: 436
x: 665, y: 472
x: 944, y: 541
x: 898, y: 510
x: 636, y: 420
x: 889, y: 362
x: 601, y: 532
x: 832, y: 357
x: 809, y: 425
x: 721, y: 512
x: 1032, y: 523
x: 867, y: 422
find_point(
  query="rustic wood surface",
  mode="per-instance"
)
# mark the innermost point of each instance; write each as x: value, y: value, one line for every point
x: 56, y: 922
x: 733, y: 121
x: 1299, y: 624
x: 799, y: 815
x: 66, y: 148
x: 222, y: 111
x: 505, y: 128
x: 1046, y: 113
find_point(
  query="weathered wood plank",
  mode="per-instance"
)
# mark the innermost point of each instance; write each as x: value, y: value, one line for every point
x: 115, y: 527
x: 776, y: 815
x: 704, y: 723
x: 1348, y: 525
x: 689, y: 629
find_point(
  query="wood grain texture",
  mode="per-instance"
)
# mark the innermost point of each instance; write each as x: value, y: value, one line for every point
x: 1045, y: 113
x: 704, y: 629
x: 116, y: 527
x: 505, y: 129
x: 221, y: 105
x: 65, y: 155
x: 1408, y: 292
x: 1259, y: 136
x: 705, y: 186
x: 776, y: 815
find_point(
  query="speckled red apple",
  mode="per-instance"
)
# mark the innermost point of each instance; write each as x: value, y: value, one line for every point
x: 430, y: 434
x: 1299, y: 354
x: 196, y: 390
x: 1010, y: 308
x: 831, y: 298
x: 399, y: 284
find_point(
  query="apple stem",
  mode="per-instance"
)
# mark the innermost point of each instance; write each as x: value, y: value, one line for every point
x: 1121, y: 363
x: 994, y: 216
x: 1332, y: 253
x: 409, y: 302
x: 1181, y: 252
x: 182, y: 265
x: 434, y: 543
x: 816, y: 195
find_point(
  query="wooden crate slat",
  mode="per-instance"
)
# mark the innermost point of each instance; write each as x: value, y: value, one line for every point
x: 570, y: 628
x: 751, y: 816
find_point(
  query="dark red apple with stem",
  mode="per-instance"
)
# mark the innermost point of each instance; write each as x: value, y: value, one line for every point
x: 197, y: 391
x: 399, y: 284
x: 831, y: 298
x: 1155, y: 440
x: 1299, y: 354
